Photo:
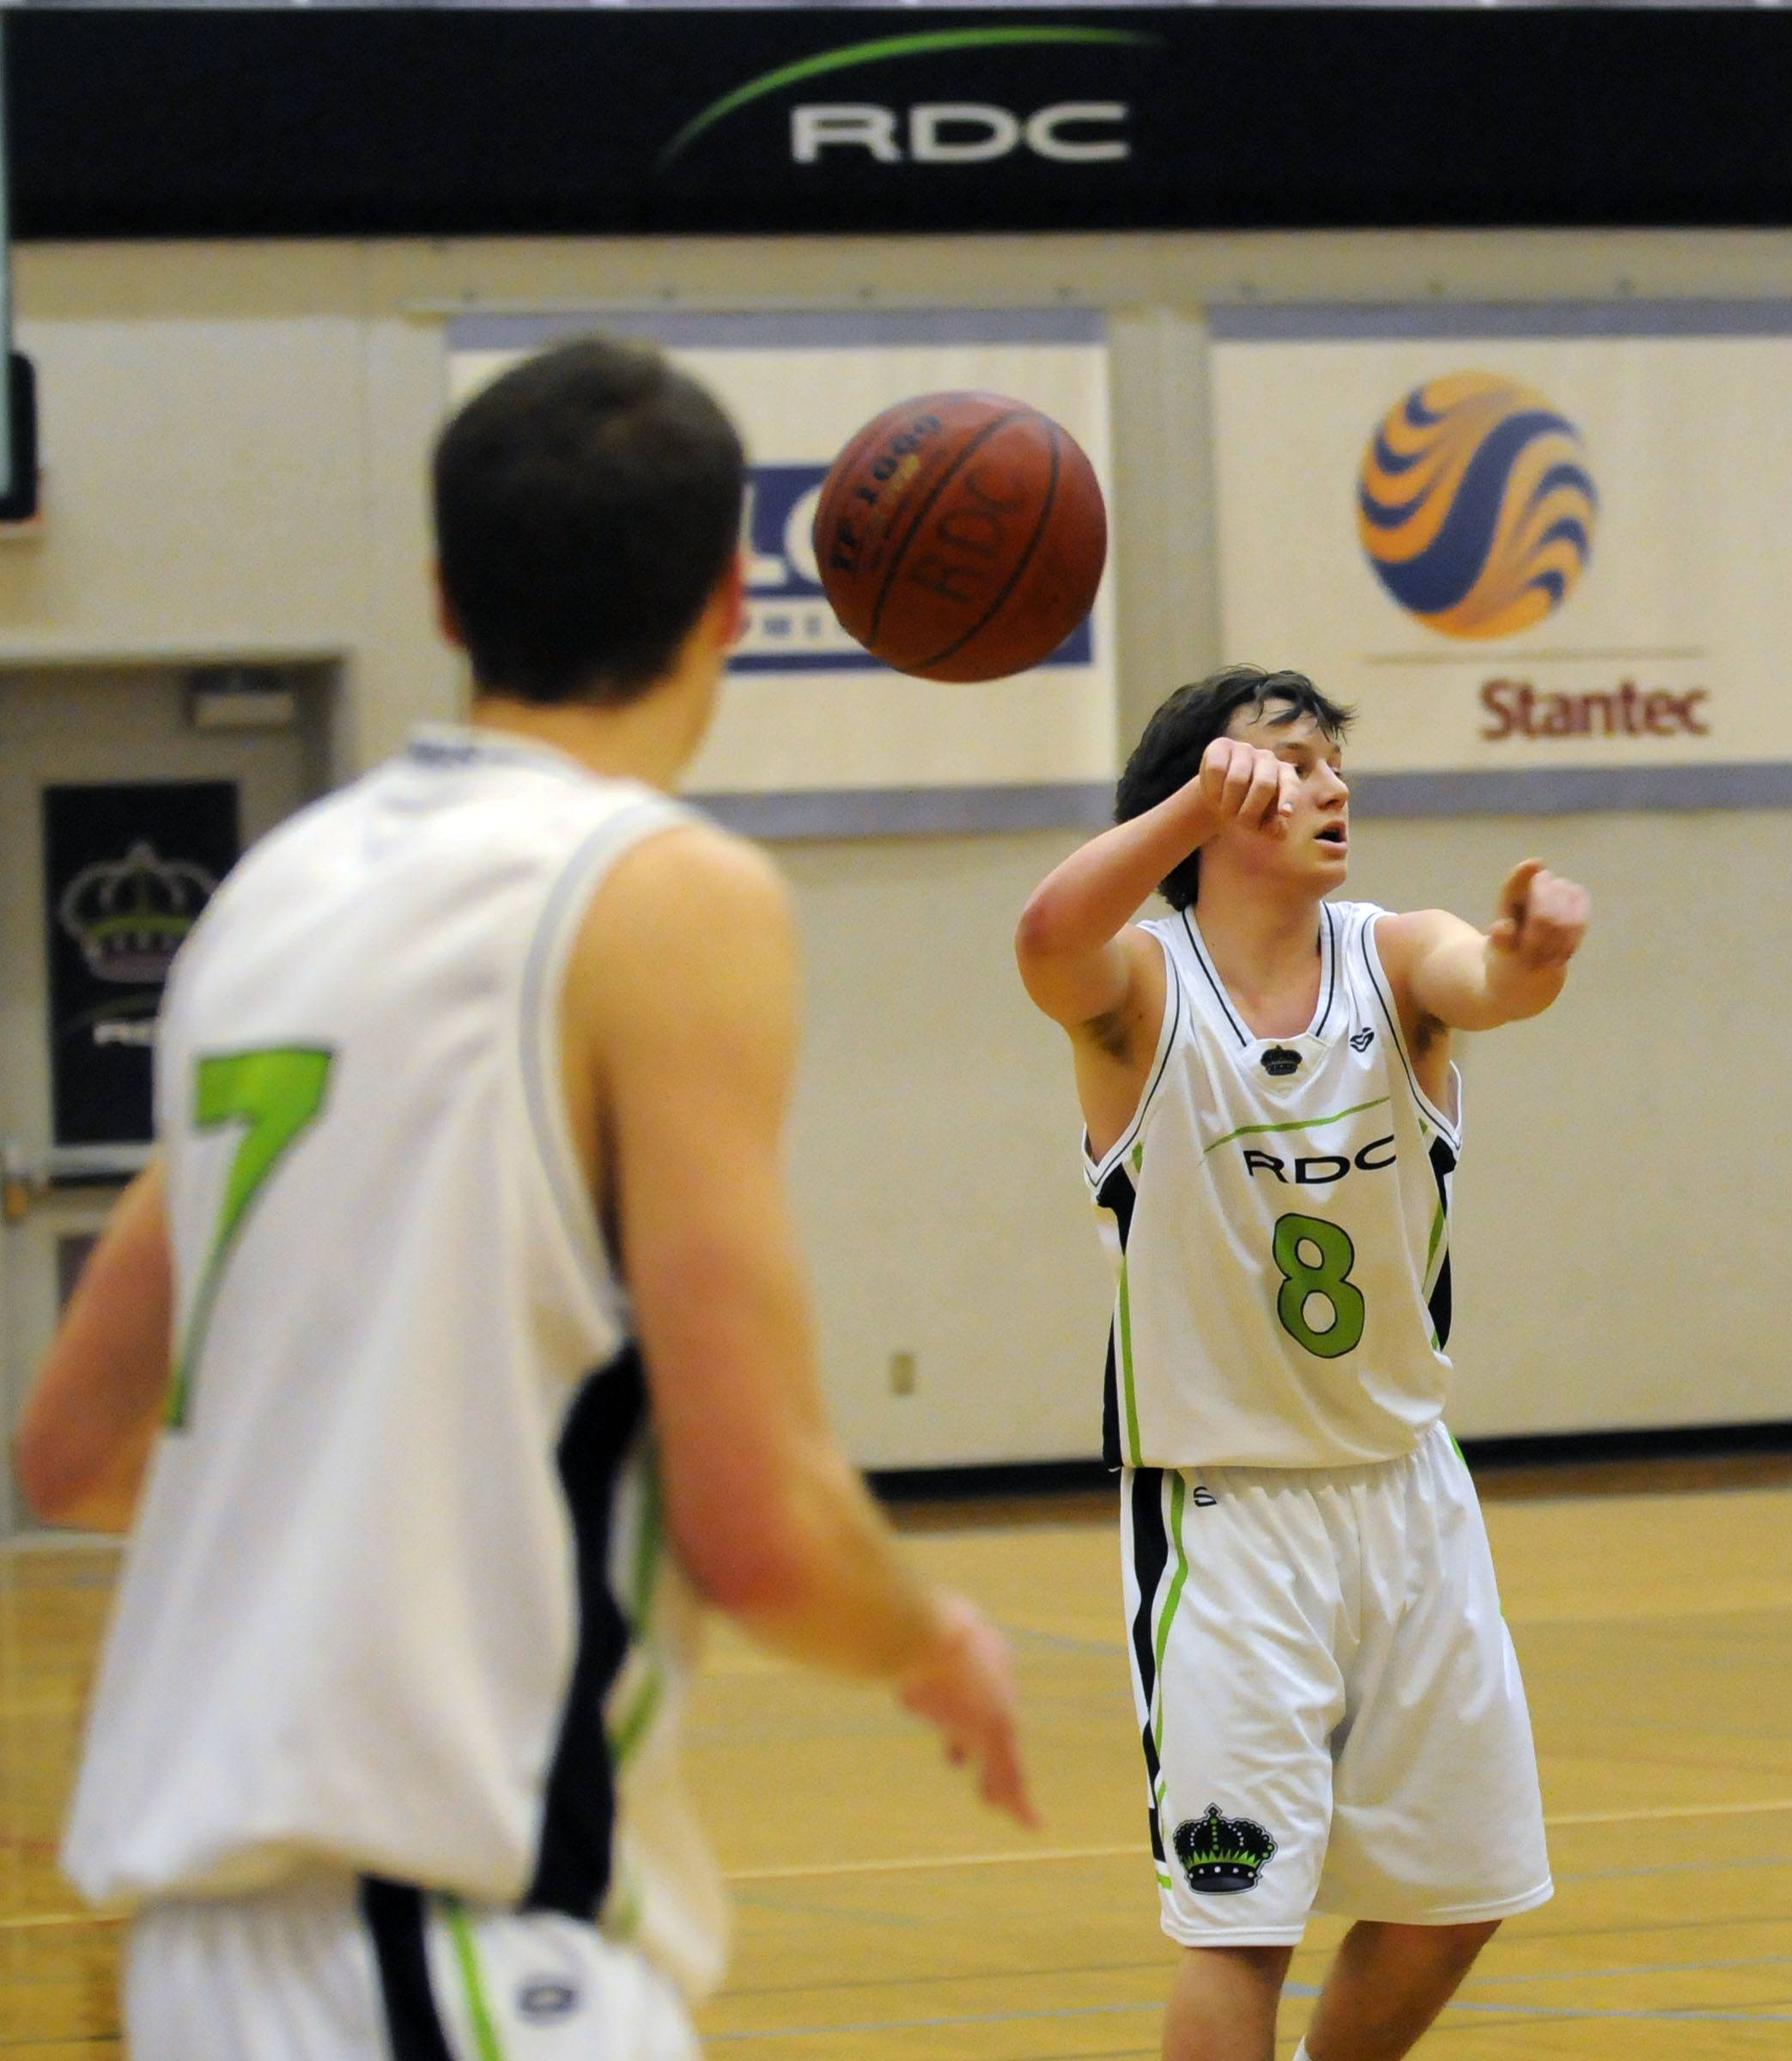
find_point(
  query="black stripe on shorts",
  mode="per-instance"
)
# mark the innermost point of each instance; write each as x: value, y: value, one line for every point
x: 394, y: 1915
x: 1150, y: 1556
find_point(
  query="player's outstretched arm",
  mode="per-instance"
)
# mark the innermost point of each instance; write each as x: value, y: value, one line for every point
x: 682, y: 992
x: 85, y: 1438
x: 1081, y: 961
x: 1475, y: 980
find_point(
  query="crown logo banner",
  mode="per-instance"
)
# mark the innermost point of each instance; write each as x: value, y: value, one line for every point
x: 129, y: 915
x: 129, y: 867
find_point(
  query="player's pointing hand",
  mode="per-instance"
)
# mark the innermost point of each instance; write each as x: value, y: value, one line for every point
x: 1542, y: 917
x: 1241, y: 783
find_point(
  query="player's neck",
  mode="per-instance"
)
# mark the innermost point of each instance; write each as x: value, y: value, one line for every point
x: 651, y: 739
x: 1262, y: 938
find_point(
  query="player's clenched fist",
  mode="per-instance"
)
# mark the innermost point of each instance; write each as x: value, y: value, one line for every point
x: 1542, y: 917
x: 1242, y: 783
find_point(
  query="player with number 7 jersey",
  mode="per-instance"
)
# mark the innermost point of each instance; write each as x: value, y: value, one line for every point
x: 454, y: 1350
x: 1329, y: 1705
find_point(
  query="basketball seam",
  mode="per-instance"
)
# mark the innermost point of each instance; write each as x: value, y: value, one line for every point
x: 940, y: 486
x: 1013, y: 579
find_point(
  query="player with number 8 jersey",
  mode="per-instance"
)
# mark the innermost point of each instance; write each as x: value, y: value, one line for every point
x: 1329, y: 1705
x: 1330, y: 1168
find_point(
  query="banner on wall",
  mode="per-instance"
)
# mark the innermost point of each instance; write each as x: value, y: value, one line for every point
x: 667, y: 121
x: 1539, y: 548
x: 128, y: 866
x: 814, y: 737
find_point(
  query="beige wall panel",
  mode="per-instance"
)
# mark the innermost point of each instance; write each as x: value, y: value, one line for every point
x: 1620, y: 1232
x: 204, y: 452
x: 935, y: 1158
x: 407, y: 673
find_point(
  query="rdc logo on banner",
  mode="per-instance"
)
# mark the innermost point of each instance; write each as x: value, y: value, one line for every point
x: 1475, y: 506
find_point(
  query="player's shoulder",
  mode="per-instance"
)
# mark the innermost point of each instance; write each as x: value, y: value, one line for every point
x: 1165, y: 939
x: 261, y: 878
x: 1398, y: 933
x: 1355, y: 916
x: 681, y: 910
x: 1355, y: 925
x: 693, y: 871
x: 688, y: 942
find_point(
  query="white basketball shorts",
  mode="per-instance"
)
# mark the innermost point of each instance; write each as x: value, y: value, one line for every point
x: 1330, y: 1705
x: 340, y: 1970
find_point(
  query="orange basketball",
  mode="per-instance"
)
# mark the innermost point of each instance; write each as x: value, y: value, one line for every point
x: 961, y: 536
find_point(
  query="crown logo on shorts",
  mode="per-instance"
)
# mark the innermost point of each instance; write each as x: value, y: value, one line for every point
x: 130, y: 914
x: 1222, y: 1855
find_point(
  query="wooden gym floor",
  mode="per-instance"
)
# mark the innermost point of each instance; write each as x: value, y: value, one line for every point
x: 880, y: 1915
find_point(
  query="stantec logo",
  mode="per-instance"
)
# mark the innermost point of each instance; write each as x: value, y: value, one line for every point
x: 1475, y: 506
x: 933, y: 130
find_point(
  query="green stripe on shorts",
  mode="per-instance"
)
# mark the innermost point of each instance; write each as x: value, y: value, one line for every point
x: 1178, y: 1495
x: 466, y: 1953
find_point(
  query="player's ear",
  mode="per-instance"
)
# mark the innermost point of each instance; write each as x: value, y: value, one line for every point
x: 445, y: 620
x: 728, y: 603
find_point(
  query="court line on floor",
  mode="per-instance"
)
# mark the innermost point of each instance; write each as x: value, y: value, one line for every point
x: 1661, y: 1812
x: 1624, y: 1875
x: 1670, y: 2016
x: 1028, y: 1855
x: 46, y: 1919
x: 1638, y: 1968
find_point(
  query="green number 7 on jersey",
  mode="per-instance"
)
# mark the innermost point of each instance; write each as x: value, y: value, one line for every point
x: 276, y: 1094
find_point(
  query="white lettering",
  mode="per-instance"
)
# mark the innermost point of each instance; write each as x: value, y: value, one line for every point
x: 960, y: 132
x: 1046, y: 138
x: 843, y: 125
x: 928, y: 145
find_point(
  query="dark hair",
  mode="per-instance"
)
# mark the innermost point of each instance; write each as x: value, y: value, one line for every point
x: 586, y: 503
x: 1168, y: 755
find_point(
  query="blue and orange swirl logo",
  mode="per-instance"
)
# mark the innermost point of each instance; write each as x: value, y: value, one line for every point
x: 1475, y: 505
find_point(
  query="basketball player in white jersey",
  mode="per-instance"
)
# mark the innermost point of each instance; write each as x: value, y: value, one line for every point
x: 463, y: 1277
x: 1330, y: 1708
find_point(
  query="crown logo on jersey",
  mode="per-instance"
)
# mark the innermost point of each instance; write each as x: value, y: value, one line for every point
x: 1222, y: 1855
x: 1278, y: 1062
x: 129, y: 915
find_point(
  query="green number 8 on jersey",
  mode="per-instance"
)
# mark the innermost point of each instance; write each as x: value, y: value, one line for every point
x: 1328, y: 1279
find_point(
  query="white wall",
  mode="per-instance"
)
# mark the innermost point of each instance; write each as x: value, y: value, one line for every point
x: 233, y: 439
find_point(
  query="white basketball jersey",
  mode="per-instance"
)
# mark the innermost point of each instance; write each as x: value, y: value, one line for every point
x: 396, y: 1600
x: 1283, y: 1207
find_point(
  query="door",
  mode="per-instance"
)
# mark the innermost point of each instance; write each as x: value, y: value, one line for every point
x: 196, y: 760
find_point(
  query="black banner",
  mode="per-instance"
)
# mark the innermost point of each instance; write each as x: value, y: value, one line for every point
x: 127, y: 869
x: 199, y: 122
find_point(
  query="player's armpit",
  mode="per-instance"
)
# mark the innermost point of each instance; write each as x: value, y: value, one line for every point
x: 88, y: 1428
x: 684, y: 985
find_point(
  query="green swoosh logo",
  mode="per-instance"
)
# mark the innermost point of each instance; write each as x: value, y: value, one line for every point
x: 881, y: 52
